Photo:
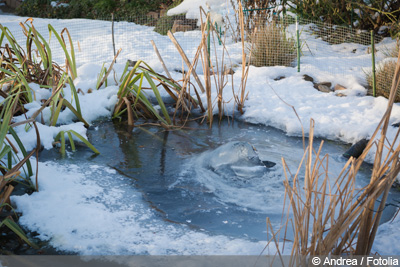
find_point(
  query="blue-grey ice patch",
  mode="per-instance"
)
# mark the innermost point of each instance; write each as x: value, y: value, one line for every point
x: 236, y: 160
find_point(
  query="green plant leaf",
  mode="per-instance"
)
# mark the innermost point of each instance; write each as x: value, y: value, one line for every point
x: 85, y: 141
x: 17, y: 230
x: 158, y: 97
x: 23, y: 150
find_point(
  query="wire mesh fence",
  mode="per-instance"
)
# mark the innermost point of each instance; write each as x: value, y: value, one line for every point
x: 325, y: 50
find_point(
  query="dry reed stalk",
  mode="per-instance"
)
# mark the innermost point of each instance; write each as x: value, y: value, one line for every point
x: 186, y: 79
x: 242, y: 85
x: 161, y: 59
x: 332, y: 219
x: 185, y: 59
x: 109, y: 69
x: 369, y: 226
x: 206, y: 70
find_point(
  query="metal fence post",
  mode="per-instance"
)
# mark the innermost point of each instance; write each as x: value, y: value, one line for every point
x: 112, y: 32
x: 298, y: 44
x: 373, y: 64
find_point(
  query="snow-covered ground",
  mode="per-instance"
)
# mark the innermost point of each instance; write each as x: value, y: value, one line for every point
x: 81, y: 215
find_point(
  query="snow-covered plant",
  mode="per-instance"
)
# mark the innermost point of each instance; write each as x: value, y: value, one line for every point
x: 133, y: 101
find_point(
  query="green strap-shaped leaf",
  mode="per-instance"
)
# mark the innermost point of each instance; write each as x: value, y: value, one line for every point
x: 70, y: 61
x: 23, y: 150
x: 75, y: 96
x: 5, y: 151
x: 85, y: 141
x: 71, y: 141
x: 158, y: 96
x: 57, y: 113
x: 78, y: 115
x: 17, y: 230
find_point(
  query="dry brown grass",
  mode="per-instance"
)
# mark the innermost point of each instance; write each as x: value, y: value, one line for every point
x: 271, y: 47
x: 384, y: 76
x: 331, y: 216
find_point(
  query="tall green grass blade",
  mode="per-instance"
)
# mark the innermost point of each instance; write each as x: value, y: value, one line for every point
x: 21, y: 78
x: 78, y: 115
x: 23, y: 150
x: 75, y: 96
x: 2, y: 37
x: 139, y: 89
x: 100, y: 76
x: 72, y: 49
x: 9, y: 160
x: 56, y: 113
x: 61, y: 136
x: 6, y: 117
x: 45, y: 55
x: 158, y: 96
x: 124, y: 72
x: 5, y: 151
x: 148, y: 105
x: 71, y: 141
x: 70, y: 61
x: 17, y: 230
x: 13, y: 44
x: 85, y: 141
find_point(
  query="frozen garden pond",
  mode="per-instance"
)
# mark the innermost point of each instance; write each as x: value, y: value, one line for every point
x: 188, y: 191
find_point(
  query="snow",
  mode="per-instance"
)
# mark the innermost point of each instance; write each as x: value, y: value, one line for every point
x: 90, y: 213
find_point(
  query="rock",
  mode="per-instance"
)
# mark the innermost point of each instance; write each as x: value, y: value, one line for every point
x: 323, y: 88
x: 308, y: 78
x: 279, y: 78
x: 268, y: 164
x: 339, y: 87
x: 229, y: 71
x: 327, y: 84
x: 396, y: 125
x: 181, y: 26
x: 357, y: 149
x: 340, y: 95
x: 131, y: 63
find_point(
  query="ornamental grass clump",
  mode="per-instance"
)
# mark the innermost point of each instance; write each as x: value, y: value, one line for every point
x: 384, y: 75
x: 136, y: 103
x: 272, y: 47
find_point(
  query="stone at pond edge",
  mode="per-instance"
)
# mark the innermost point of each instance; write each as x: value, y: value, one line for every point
x: 340, y: 95
x: 396, y: 125
x: 339, y: 87
x: 279, y: 78
x: 229, y: 71
x: 357, y: 149
x: 268, y: 164
x: 308, y: 78
x: 323, y: 88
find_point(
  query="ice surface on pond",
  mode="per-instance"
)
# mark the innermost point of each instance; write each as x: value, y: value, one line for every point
x: 91, y: 209
x: 235, y: 160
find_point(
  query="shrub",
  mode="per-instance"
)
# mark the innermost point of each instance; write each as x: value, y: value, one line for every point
x: 165, y: 23
x: 89, y: 8
x: 384, y: 76
x: 271, y: 47
x: 377, y: 15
